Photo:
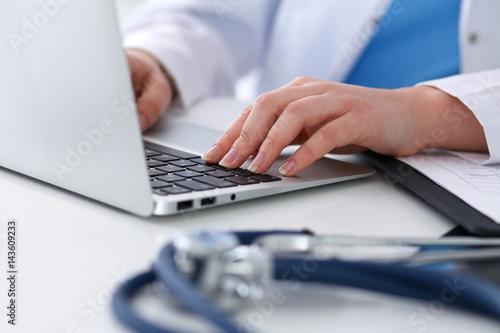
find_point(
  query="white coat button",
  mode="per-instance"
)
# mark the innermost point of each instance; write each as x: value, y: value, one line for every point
x: 473, y: 37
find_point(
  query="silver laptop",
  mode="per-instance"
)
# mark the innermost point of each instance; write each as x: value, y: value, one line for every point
x: 69, y: 119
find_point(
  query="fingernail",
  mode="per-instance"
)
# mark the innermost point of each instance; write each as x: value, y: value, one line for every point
x: 287, y: 168
x: 257, y: 161
x: 143, y: 122
x: 229, y: 158
x: 212, y: 153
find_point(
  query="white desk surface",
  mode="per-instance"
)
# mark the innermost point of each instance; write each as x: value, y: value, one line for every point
x: 72, y: 251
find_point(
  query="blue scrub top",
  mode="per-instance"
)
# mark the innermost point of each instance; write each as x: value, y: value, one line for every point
x: 417, y: 41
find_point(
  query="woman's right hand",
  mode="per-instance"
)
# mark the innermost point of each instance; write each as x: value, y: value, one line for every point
x: 154, y: 88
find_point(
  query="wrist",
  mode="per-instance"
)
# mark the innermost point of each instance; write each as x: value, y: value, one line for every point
x: 431, y: 104
x: 445, y: 122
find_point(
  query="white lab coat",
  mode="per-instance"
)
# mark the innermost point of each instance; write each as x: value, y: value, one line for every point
x: 207, y: 45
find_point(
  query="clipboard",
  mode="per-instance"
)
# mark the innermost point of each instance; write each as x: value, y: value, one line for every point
x: 446, y: 202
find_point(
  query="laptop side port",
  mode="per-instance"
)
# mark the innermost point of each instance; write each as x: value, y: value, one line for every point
x: 208, y: 201
x: 183, y: 205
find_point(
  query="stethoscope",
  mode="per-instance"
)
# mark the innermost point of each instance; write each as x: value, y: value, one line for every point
x: 210, y: 272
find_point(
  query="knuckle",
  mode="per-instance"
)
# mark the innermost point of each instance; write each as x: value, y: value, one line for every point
x: 161, y: 81
x: 245, y: 137
x: 246, y: 111
x: 326, y: 134
x: 294, y: 109
x: 226, y: 135
x: 265, y: 100
x: 271, y: 141
x: 349, y: 102
x: 309, y: 153
x: 157, y: 80
x: 301, y: 80
x: 151, y: 108
x: 226, y: 140
x: 325, y: 87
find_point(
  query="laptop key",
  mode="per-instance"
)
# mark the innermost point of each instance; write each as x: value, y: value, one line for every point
x: 243, y: 172
x: 171, y: 178
x: 194, y: 185
x: 199, y: 160
x: 158, y: 183
x: 165, y: 158
x: 178, y: 153
x: 183, y: 163
x: 200, y: 168
x: 240, y: 180
x: 220, y: 174
x: 220, y: 167
x: 265, y: 178
x: 156, y: 172
x: 149, y: 152
x: 188, y: 174
x: 175, y: 190
x: 221, y: 183
x: 159, y: 191
x: 153, y: 163
x: 170, y: 168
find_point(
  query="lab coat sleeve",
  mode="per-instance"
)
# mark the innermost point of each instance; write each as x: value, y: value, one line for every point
x: 480, y: 92
x: 205, y: 45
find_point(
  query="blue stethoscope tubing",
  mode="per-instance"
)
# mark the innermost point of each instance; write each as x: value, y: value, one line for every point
x: 408, y: 281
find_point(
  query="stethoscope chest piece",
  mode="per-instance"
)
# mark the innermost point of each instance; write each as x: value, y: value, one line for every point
x: 228, y: 273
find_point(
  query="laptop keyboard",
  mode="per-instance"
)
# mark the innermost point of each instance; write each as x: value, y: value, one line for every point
x: 173, y: 171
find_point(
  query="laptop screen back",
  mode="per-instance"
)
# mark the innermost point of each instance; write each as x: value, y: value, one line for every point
x: 67, y: 106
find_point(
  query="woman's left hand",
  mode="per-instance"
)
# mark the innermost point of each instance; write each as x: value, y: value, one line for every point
x: 323, y: 116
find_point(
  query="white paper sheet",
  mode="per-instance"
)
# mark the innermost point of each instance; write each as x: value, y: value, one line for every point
x: 478, y: 185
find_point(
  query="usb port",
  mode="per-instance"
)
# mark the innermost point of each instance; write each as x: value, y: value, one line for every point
x: 207, y: 201
x: 183, y: 205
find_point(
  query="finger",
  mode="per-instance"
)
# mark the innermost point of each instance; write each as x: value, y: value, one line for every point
x: 224, y: 143
x: 265, y: 112
x: 338, y: 133
x: 308, y: 112
x: 137, y: 71
x: 154, y: 98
